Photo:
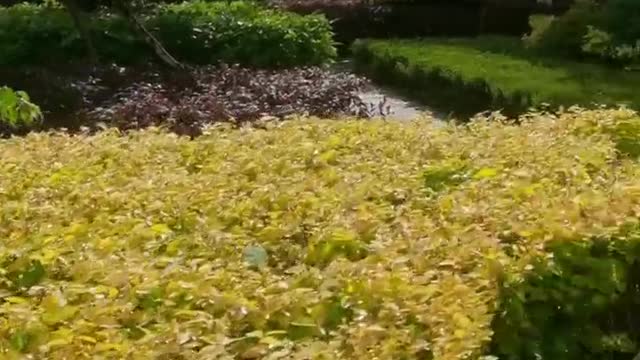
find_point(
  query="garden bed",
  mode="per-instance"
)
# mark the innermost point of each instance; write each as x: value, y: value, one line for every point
x: 471, y: 75
x: 325, y: 239
x: 186, y: 101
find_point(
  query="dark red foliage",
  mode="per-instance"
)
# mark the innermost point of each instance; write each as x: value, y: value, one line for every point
x: 232, y: 94
x: 185, y: 101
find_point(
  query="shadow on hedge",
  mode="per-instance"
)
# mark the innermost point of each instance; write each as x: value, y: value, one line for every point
x: 437, y: 87
x: 580, y: 302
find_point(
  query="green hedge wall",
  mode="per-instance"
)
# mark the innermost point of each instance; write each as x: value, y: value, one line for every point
x: 195, y: 32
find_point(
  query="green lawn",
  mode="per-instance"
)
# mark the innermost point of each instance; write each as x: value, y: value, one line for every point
x: 498, y: 71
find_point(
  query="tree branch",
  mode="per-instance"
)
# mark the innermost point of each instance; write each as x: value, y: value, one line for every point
x: 137, y: 26
x: 81, y: 24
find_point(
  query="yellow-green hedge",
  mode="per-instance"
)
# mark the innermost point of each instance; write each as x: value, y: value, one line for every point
x: 309, y: 240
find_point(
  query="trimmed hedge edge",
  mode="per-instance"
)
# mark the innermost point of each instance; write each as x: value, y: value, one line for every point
x: 581, y: 301
x: 440, y: 89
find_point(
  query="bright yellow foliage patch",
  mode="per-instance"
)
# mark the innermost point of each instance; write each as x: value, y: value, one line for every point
x: 310, y: 240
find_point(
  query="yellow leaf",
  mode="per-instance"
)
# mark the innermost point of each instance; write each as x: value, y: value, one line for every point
x: 461, y: 320
x: 160, y: 229
x: 113, y: 293
x: 485, y: 173
x: 88, y: 339
x: 173, y: 247
x: 55, y: 316
x: 59, y: 342
x: 16, y: 300
x: 460, y: 334
x: 109, y: 347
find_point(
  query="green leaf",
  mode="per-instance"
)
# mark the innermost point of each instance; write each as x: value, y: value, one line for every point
x: 256, y: 256
x: 20, y: 340
x: 59, y: 315
x: 32, y: 276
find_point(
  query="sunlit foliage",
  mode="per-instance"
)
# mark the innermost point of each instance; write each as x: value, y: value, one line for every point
x: 307, y: 240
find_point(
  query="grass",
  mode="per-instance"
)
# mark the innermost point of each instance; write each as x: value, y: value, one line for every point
x: 317, y: 239
x: 498, y: 71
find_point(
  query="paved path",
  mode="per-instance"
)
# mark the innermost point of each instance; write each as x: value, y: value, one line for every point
x: 398, y: 106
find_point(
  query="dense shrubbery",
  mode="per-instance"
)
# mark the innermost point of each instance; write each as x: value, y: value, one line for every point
x: 564, y: 35
x: 324, y: 240
x: 472, y: 75
x: 197, y: 32
x: 353, y: 19
x: 610, y: 31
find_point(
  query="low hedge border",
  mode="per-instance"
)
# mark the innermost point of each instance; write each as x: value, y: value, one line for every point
x: 579, y: 302
x: 325, y: 240
x: 196, y: 32
x: 434, y: 86
x: 467, y: 76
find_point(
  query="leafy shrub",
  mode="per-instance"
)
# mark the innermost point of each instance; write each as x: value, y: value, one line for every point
x: 355, y: 19
x: 602, y: 44
x: 539, y: 25
x: 16, y: 111
x: 564, y: 35
x: 244, y: 33
x: 623, y: 20
x: 316, y: 239
x: 618, y: 39
x: 197, y: 32
x: 607, y: 30
x: 582, y: 304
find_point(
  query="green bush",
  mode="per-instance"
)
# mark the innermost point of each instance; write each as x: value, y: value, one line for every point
x: 609, y: 31
x: 195, y: 32
x: 564, y: 36
x: 619, y: 36
x: 241, y: 32
x: 347, y: 240
x: 623, y: 20
x: 580, y: 304
x: 16, y: 111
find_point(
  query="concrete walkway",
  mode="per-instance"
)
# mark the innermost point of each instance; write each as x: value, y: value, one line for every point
x: 394, y: 105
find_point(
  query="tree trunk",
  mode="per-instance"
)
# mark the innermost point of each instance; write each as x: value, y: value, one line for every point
x: 81, y: 24
x: 148, y: 37
x: 482, y: 23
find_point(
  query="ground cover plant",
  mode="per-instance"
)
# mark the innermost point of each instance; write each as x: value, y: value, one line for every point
x: 186, y: 101
x: 324, y: 240
x: 197, y: 32
x: 471, y: 75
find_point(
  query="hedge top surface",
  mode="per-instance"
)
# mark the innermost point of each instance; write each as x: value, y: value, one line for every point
x: 324, y: 240
x: 508, y: 68
x: 199, y: 32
